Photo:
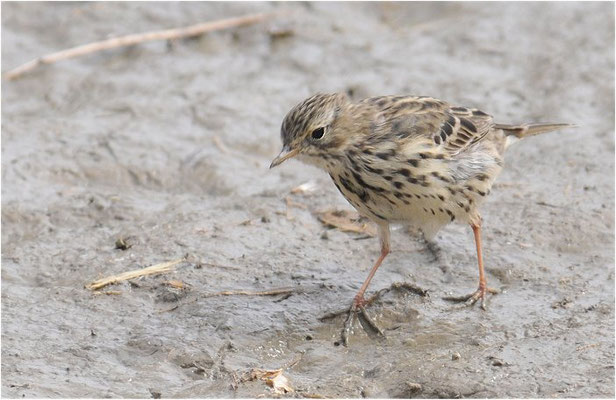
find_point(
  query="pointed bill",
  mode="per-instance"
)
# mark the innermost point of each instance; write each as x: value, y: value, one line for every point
x: 284, y: 155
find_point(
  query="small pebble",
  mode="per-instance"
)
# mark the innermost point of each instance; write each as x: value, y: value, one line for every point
x: 122, y: 244
x: 455, y: 356
x: 414, y: 387
x: 497, y: 362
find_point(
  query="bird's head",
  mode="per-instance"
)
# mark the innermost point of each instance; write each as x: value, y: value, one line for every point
x: 309, y: 129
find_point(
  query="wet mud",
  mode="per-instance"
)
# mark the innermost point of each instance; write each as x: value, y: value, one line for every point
x: 167, y: 146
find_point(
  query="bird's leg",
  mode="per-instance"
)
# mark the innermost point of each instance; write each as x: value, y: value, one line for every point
x: 480, y: 293
x: 359, y: 302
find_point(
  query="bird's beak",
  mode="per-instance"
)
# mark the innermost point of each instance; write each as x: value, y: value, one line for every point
x: 284, y: 155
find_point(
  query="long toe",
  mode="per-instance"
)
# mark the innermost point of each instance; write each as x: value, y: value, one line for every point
x: 370, y: 321
x: 472, y: 298
x: 358, y: 308
x: 347, y: 329
x: 358, y: 311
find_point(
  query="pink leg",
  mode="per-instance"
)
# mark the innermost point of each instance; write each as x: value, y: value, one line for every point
x: 480, y: 293
x: 359, y: 300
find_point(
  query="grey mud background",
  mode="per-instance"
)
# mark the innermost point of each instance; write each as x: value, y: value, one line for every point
x: 168, y: 145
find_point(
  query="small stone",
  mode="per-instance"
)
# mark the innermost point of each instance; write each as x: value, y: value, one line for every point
x: 280, y: 32
x: 122, y: 244
x: 413, y: 387
x: 455, y: 356
x: 325, y: 236
x: 497, y: 362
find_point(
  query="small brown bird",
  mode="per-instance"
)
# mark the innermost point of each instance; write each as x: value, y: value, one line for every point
x: 404, y: 159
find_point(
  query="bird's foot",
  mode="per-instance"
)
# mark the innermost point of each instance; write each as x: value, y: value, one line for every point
x: 358, y: 310
x: 472, y: 298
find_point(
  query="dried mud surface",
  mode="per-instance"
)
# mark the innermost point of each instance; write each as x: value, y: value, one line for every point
x: 168, y: 146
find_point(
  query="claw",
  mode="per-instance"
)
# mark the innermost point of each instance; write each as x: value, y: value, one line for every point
x: 370, y: 321
x: 348, y: 326
x: 471, y: 299
x: 358, y: 308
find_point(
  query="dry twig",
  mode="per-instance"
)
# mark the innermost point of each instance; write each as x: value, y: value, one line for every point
x: 271, y: 292
x: 110, y: 293
x: 130, y: 40
x: 154, y: 269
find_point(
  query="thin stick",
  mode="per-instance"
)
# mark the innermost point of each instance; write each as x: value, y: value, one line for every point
x: 110, y: 292
x: 129, y: 40
x: 271, y: 292
x: 154, y: 269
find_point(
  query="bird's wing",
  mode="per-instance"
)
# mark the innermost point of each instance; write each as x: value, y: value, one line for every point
x: 450, y: 129
x: 468, y: 126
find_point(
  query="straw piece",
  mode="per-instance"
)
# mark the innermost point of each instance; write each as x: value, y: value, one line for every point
x: 153, y: 270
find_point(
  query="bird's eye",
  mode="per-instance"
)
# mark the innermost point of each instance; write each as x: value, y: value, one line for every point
x: 318, y: 133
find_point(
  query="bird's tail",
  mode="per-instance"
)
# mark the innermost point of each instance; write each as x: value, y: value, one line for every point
x: 516, y: 132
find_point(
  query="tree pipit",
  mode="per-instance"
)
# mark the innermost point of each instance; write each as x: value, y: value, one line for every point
x: 404, y: 159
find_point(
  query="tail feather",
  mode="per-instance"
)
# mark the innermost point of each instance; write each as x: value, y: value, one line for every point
x: 516, y: 132
x: 525, y: 130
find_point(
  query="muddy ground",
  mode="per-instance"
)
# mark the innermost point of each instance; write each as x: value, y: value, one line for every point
x: 168, y: 146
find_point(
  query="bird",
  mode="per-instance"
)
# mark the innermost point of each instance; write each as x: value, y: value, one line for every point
x: 414, y: 160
